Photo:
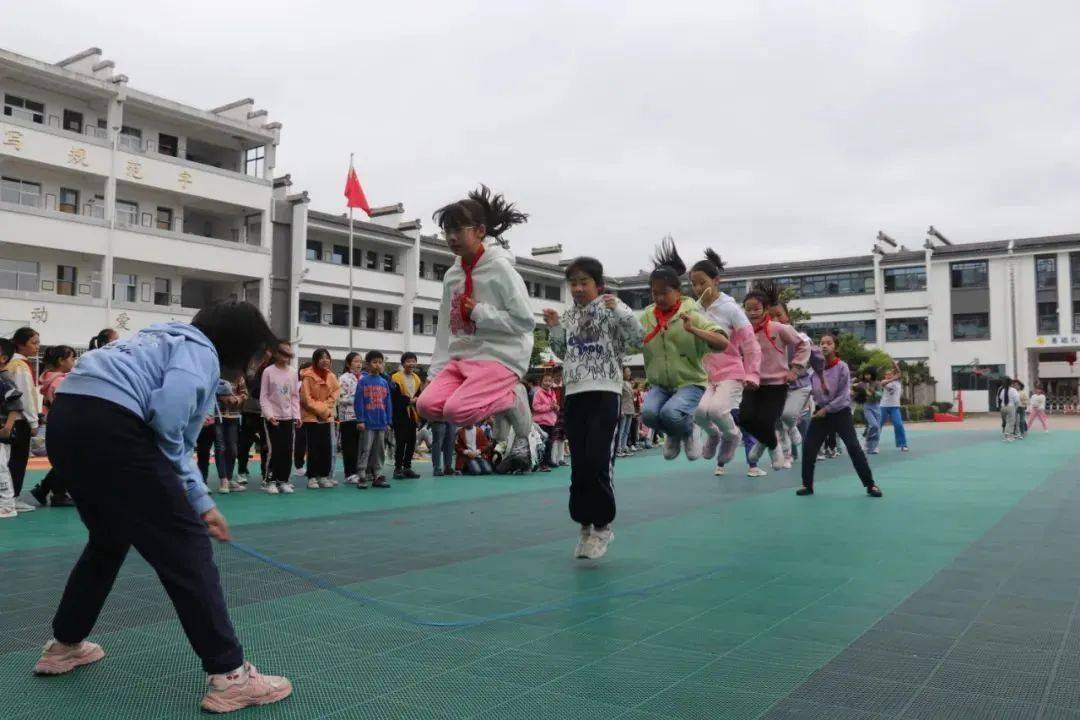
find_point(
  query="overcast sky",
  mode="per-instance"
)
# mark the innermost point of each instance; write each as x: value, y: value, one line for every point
x: 772, y: 130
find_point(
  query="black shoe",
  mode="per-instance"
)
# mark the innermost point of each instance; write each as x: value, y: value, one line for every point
x: 873, y: 491
x: 804, y: 491
x: 380, y: 482
x: 63, y: 500
x: 408, y: 474
x: 40, y: 495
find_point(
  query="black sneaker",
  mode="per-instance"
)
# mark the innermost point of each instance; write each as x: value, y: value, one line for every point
x: 40, y: 495
x: 409, y: 474
x: 363, y: 483
x: 380, y: 482
x: 804, y: 491
x: 62, y: 500
x: 873, y: 491
x: 399, y: 474
x: 517, y: 460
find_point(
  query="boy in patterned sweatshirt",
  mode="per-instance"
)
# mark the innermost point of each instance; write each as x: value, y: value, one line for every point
x: 592, y: 338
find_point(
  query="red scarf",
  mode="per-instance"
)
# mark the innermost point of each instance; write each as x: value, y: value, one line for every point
x: 763, y: 326
x: 832, y: 363
x: 662, y: 320
x: 321, y: 372
x: 468, y: 269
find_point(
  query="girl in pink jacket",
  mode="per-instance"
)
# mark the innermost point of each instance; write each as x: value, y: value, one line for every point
x: 545, y: 406
x: 729, y: 371
x: 762, y: 407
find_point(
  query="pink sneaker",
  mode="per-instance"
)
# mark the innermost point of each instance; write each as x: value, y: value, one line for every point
x: 712, y: 442
x: 244, y: 688
x: 58, y: 658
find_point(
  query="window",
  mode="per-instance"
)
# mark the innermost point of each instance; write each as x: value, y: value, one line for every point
x: 906, y: 329
x: 95, y: 283
x: 66, y: 280
x: 372, y: 260
x: 127, y: 213
x: 168, y: 144
x: 340, y: 253
x: 965, y: 377
x: 162, y: 296
x: 418, y: 323
x: 20, y: 192
x: 440, y: 271
x: 310, y: 311
x: 29, y: 110
x: 339, y: 314
x: 255, y: 161
x: 73, y: 121
x: 388, y: 320
x: 974, y: 274
x: 389, y: 263
x: 371, y: 318
x: 859, y: 282
x: 553, y: 292
x: 906, y: 279
x: 1047, y: 313
x: 865, y: 330
x: 20, y: 275
x: 640, y: 299
x: 535, y: 289
x: 422, y: 268
x: 971, y: 326
x: 314, y: 250
x: 1046, y: 306
x: 357, y: 317
x: 164, y: 218
x: 130, y: 139
x: 69, y: 201
x: 736, y: 289
x: 125, y: 287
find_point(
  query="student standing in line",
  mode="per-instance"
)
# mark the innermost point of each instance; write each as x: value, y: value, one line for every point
x: 890, y: 406
x: 592, y: 338
x: 1009, y: 402
x: 122, y: 432
x: 868, y: 394
x: 374, y: 416
x: 832, y: 395
x: 251, y: 428
x: 1021, y: 410
x: 626, y: 414
x: 729, y: 371
x: 346, y: 410
x: 279, y: 402
x: 27, y: 345
x: 677, y: 339
x: 1037, y: 408
x: 405, y: 386
x: 318, y: 400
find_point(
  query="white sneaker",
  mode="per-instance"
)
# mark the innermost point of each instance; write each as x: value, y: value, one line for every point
x: 242, y: 479
x: 597, y: 544
x: 272, y: 488
x: 756, y: 472
x: 326, y: 483
x: 692, y: 446
x: 8, y: 512
x: 583, y: 537
x: 313, y: 484
x: 22, y: 507
x: 287, y: 488
x: 223, y: 488
x: 671, y: 447
x: 788, y: 462
x: 719, y: 471
x: 352, y: 480
x: 236, y: 486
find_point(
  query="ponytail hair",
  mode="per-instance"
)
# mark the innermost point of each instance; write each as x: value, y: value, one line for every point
x: 668, y: 266
x: 712, y: 265
x: 101, y: 339
x: 481, y: 207
x: 766, y: 292
x: 55, y: 353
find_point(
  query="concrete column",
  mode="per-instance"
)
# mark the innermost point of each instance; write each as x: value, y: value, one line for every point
x: 115, y: 120
x: 879, y: 302
x: 270, y: 161
x: 1064, y: 294
x: 296, y: 276
x: 411, y: 268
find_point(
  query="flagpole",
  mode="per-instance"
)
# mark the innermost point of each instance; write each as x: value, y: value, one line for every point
x: 351, y: 323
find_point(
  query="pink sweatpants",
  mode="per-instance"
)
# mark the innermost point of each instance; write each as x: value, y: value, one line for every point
x: 468, y: 391
x: 1034, y: 415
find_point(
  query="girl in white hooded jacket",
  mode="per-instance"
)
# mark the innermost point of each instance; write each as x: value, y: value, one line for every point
x: 485, y: 334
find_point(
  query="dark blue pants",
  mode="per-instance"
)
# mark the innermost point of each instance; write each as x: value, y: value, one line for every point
x: 128, y: 495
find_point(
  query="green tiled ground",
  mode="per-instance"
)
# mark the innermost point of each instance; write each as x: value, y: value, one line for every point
x: 781, y: 586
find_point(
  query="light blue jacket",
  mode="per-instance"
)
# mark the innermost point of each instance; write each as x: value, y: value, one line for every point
x: 168, y: 375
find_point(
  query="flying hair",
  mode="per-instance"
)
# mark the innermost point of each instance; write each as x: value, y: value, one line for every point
x: 668, y: 266
x: 767, y: 292
x: 481, y: 207
x: 712, y: 265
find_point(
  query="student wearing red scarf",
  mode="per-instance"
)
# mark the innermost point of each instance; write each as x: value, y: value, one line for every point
x: 318, y: 400
x: 832, y: 395
x: 486, y: 322
x: 677, y: 337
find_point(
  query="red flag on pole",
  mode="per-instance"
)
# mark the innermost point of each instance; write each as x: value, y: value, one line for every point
x: 354, y: 194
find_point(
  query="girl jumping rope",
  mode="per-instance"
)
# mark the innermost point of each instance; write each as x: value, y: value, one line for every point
x: 485, y: 334
x: 729, y: 371
x: 677, y: 337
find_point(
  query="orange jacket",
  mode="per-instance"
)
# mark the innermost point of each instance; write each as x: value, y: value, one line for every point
x: 318, y: 396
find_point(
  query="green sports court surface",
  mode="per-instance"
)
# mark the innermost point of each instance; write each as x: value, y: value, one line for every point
x: 953, y: 597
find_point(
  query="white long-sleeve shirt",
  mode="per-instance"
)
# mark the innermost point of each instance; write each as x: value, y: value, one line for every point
x: 1037, y: 402
x: 19, y: 372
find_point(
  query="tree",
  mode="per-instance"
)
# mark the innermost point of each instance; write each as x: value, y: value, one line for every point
x: 795, y: 315
x: 540, y: 347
